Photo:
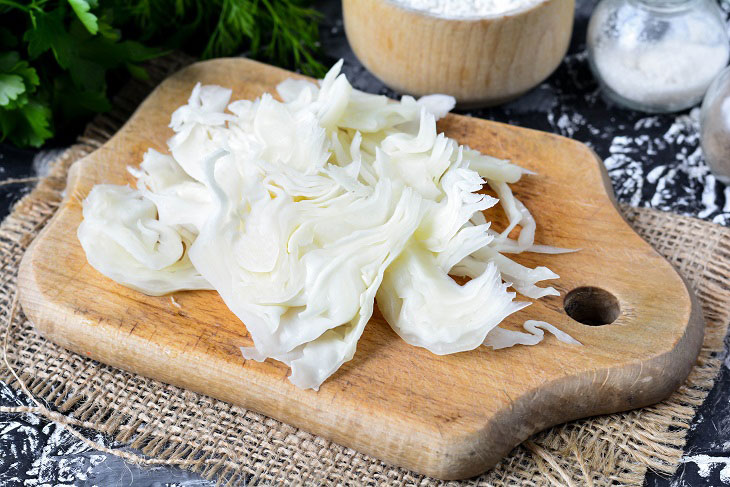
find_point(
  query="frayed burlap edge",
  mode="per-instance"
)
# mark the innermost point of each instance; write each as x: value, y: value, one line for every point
x: 239, y: 446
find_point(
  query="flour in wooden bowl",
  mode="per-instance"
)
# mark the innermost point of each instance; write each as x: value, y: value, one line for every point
x: 466, y: 9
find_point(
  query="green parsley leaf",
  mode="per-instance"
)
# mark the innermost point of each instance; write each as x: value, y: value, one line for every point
x: 82, y: 10
x: 10, y: 62
x: 50, y: 33
x: 17, y: 80
x: 28, y: 125
x: 38, y: 119
x: 11, y: 85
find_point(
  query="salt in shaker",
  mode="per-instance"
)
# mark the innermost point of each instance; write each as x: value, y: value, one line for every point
x: 657, y: 55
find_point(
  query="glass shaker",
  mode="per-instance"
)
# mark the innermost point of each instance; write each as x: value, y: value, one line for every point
x: 715, y: 126
x: 657, y: 55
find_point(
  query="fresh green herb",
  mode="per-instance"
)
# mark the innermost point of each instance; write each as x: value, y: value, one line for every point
x: 58, y: 58
x: 281, y: 31
x: 20, y: 114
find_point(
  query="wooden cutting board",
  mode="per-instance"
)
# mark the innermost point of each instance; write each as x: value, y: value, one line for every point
x: 447, y: 416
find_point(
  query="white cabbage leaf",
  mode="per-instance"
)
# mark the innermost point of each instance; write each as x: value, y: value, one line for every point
x: 180, y: 200
x: 123, y: 239
x: 427, y: 308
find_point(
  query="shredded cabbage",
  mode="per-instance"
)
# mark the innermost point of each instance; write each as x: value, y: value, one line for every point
x: 302, y: 213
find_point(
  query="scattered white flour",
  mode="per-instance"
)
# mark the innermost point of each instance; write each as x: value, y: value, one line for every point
x: 665, y: 73
x: 461, y: 9
x: 706, y: 463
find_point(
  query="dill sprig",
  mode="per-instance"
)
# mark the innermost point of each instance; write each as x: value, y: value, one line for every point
x: 284, y: 32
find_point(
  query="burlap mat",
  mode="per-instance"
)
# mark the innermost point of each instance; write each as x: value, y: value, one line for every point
x: 239, y: 446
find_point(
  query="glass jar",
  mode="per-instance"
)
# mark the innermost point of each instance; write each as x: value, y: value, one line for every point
x: 715, y: 127
x: 657, y: 55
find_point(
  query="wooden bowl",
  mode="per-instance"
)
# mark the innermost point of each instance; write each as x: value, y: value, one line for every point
x: 480, y: 62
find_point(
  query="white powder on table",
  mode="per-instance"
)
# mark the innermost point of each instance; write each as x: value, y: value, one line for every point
x: 460, y: 9
x: 665, y: 73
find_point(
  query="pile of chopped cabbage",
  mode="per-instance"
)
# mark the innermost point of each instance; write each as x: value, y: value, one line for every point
x: 302, y: 213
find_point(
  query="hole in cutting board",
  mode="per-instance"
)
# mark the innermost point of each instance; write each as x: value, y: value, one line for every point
x: 592, y: 306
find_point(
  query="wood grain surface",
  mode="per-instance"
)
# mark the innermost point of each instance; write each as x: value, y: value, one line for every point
x: 447, y: 416
x: 480, y: 62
